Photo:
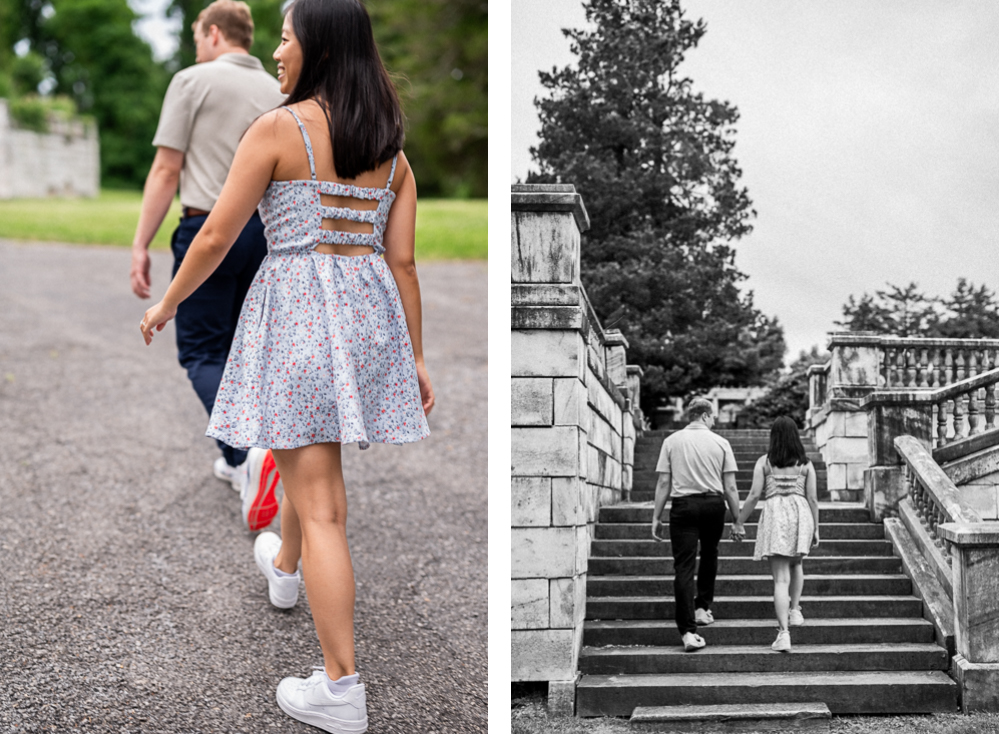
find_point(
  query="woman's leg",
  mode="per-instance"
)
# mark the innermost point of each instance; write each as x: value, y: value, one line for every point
x: 288, y: 557
x: 780, y: 573
x: 314, y: 489
x: 796, y: 580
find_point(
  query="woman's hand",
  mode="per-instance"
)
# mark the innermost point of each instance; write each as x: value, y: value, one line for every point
x: 156, y: 318
x: 426, y: 391
x: 815, y: 538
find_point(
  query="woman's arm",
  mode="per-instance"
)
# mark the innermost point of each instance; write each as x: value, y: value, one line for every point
x: 248, y: 178
x: 812, y: 500
x: 755, y: 489
x: 399, y: 245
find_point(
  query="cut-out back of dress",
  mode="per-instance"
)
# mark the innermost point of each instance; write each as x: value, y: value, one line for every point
x: 293, y: 213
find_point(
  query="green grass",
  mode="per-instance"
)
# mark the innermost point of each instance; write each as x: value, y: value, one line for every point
x: 529, y: 716
x: 447, y: 229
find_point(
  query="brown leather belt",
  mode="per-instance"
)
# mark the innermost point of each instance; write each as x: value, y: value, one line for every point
x: 189, y: 212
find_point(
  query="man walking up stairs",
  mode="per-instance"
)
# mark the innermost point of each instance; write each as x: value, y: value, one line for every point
x: 865, y: 647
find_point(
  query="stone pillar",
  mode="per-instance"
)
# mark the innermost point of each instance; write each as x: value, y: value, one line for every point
x: 975, y: 571
x: 550, y: 501
x: 841, y: 427
x: 891, y: 414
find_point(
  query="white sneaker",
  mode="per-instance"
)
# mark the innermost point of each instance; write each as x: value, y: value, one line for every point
x: 693, y: 642
x: 795, y: 618
x: 259, y: 494
x: 232, y: 474
x: 310, y: 701
x: 703, y: 617
x: 282, y: 590
x: 783, y: 643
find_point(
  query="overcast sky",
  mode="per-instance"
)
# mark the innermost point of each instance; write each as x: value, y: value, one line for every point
x: 868, y: 140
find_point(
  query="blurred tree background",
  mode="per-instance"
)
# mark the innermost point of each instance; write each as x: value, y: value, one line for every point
x: 57, y: 54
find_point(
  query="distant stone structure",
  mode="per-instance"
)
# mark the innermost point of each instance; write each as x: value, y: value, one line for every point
x: 574, y: 412
x: 62, y: 162
x: 727, y: 403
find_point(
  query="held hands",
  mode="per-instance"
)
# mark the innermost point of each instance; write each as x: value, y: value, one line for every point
x: 156, y: 318
x: 737, y: 532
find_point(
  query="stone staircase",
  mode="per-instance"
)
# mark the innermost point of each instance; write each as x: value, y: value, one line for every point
x: 865, y: 647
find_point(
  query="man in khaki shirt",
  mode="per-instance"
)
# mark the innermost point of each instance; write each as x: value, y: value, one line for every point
x: 206, y: 110
x: 697, y: 471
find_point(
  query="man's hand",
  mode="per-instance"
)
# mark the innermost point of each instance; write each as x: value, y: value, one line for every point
x: 139, y: 274
x: 657, y: 525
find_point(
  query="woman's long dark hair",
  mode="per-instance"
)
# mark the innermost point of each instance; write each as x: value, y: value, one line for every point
x: 342, y: 70
x: 786, y: 447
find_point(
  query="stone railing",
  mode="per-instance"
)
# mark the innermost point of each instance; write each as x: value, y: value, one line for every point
x: 574, y: 416
x: 957, y: 408
x: 930, y: 363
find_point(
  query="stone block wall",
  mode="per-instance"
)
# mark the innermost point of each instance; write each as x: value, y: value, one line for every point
x: 572, y: 431
x: 63, y: 162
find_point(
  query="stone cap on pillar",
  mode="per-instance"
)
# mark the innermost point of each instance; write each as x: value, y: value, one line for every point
x: 970, y: 534
x: 549, y: 198
x: 615, y: 338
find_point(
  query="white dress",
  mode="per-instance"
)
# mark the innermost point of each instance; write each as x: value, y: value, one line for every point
x: 786, y: 524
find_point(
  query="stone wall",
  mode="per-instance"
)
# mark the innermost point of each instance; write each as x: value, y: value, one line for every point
x: 572, y: 431
x: 63, y: 162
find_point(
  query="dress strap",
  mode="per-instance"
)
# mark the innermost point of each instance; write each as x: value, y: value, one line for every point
x: 392, y: 172
x: 308, y: 142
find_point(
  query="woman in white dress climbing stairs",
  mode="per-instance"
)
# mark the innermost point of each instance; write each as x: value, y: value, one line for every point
x: 789, y: 521
x: 328, y: 349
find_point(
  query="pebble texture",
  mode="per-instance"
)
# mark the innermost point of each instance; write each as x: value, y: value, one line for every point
x: 129, y: 600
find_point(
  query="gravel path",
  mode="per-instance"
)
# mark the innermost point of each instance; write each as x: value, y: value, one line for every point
x: 129, y: 600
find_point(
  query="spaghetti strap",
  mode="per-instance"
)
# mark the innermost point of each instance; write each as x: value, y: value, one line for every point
x: 308, y: 142
x: 392, y: 172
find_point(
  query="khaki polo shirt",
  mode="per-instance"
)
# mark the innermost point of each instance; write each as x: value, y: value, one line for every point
x: 696, y: 459
x: 205, y: 112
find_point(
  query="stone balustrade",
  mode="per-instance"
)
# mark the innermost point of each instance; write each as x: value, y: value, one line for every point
x: 933, y: 363
x: 966, y: 408
x: 574, y: 416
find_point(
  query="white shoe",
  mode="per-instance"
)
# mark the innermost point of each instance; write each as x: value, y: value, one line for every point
x: 282, y: 590
x: 232, y: 474
x: 309, y: 700
x: 783, y: 643
x: 703, y: 617
x: 693, y: 642
x: 259, y: 494
x: 795, y: 618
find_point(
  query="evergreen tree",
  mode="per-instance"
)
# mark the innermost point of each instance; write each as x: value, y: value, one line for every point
x: 970, y: 313
x: 653, y: 161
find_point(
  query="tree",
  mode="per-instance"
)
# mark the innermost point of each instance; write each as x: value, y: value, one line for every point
x: 969, y: 313
x: 787, y: 395
x: 653, y: 161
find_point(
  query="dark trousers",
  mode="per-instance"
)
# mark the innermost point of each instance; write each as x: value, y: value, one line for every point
x: 206, y: 321
x: 694, y: 519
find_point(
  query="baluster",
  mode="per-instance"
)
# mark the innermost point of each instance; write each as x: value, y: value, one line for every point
x: 960, y: 365
x: 958, y: 413
x: 990, y: 407
x: 947, y: 364
x: 973, y: 413
x: 922, y: 368
x: 888, y: 364
x: 971, y: 363
x: 942, y: 423
x: 910, y: 358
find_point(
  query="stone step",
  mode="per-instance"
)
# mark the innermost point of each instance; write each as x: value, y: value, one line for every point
x: 655, y: 566
x: 829, y: 531
x: 815, y: 631
x: 799, y: 717
x: 848, y: 692
x: 756, y: 607
x: 762, y: 659
x: 752, y: 585
x: 652, y: 547
x: 642, y: 512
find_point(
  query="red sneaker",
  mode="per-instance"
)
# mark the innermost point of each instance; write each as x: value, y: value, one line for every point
x: 259, y: 494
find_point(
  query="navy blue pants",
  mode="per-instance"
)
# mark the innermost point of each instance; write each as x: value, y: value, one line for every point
x: 206, y: 320
x: 694, y: 520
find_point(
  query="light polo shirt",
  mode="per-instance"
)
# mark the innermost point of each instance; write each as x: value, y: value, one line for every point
x: 696, y: 458
x: 205, y: 112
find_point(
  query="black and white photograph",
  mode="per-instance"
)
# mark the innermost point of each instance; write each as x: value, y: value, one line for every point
x: 754, y: 340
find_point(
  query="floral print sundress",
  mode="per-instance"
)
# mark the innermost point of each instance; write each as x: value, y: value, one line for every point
x: 786, y: 522
x: 321, y: 351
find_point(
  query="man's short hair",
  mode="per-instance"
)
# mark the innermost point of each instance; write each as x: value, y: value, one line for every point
x: 233, y: 20
x: 699, y: 407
